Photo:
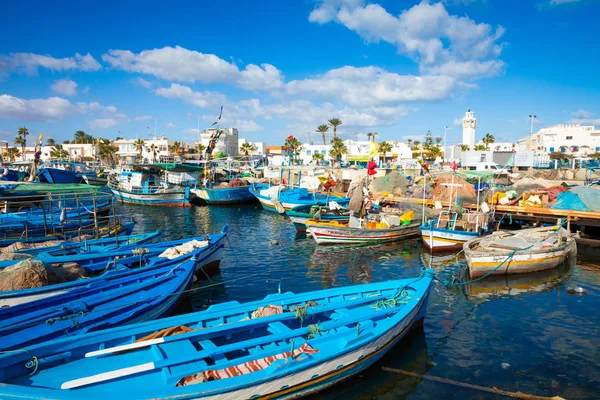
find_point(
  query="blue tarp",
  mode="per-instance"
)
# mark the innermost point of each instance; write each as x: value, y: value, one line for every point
x: 582, y: 198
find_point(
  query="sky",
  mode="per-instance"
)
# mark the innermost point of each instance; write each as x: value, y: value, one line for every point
x: 280, y: 68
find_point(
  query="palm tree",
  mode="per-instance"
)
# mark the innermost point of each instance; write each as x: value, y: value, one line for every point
x: 246, y: 148
x: 139, y: 145
x: 385, y: 147
x: 369, y: 135
x: 335, y: 122
x: 66, y: 142
x: 12, y: 153
x: 200, y: 149
x: 464, y: 147
x: 480, y: 147
x: 176, y: 148
x: 107, y: 151
x: 50, y: 142
x: 338, y: 148
x: 322, y: 129
x: 154, y: 150
x: 488, y: 139
x: 374, y: 134
x: 79, y: 137
x: 58, y: 152
x: 293, y: 146
x: 438, y: 140
x: 417, y: 143
x: 318, y: 157
x: 409, y: 142
x: 22, y: 139
x: 434, y: 152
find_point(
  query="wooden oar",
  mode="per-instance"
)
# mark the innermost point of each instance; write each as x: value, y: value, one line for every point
x: 105, y: 376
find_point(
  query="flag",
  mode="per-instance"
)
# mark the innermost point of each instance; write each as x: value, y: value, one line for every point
x: 40, y: 137
x: 218, y: 119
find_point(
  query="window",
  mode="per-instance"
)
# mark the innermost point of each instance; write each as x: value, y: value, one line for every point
x: 324, y: 152
x: 551, y: 149
x: 308, y: 152
x: 483, y: 158
x: 597, y: 148
x: 569, y: 137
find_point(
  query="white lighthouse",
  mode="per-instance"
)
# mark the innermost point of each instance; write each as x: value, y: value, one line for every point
x: 469, y: 124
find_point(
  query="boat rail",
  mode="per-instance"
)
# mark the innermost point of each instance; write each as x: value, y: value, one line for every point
x: 120, y: 186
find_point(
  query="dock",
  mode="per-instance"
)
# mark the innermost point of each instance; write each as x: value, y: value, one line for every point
x: 521, y: 213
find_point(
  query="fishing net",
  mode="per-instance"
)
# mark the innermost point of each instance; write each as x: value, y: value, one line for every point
x: 393, y: 183
x: 33, y: 273
x: 442, y: 192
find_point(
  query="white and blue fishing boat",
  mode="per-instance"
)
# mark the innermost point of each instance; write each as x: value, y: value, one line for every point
x: 127, y: 260
x: 145, y: 295
x: 285, y: 346
x: 152, y: 185
x: 299, y: 215
x: 63, y: 172
x: 280, y: 199
x: 224, y: 195
x: 453, y: 229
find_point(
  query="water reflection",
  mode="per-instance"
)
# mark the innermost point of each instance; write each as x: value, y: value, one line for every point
x: 549, y: 338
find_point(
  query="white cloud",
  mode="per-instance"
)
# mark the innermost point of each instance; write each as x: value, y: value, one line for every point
x: 581, y: 114
x: 103, y: 123
x: 171, y: 125
x: 191, y: 131
x: 65, y: 86
x: 143, y: 118
x: 50, y: 109
x: 111, y: 109
x: 203, y: 100
x: 85, y: 90
x: 30, y: 63
x: 457, y: 121
x: 370, y: 86
x: 559, y: 2
x: 183, y: 65
x: 144, y: 83
x: 425, y: 32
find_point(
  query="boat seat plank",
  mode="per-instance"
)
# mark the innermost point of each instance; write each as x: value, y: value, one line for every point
x: 278, y: 327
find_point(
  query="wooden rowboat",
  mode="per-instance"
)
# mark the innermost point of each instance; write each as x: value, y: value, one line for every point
x: 331, y: 232
x: 518, y: 252
x: 285, y: 346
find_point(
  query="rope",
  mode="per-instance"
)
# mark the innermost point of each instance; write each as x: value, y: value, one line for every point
x: 33, y: 362
x: 313, y: 330
x: 400, y: 298
x: 138, y: 251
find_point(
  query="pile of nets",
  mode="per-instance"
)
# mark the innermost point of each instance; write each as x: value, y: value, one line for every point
x: 441, y: 192
x: 33, y: 273
x: 393, y: 183
x: 582, y: 198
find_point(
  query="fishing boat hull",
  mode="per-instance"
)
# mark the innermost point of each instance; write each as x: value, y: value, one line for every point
x: 484, y: 262
x: 345, y: 235
x: 439, y: 239
x: 208, y: 262
x: 57, y: 175
x: 229, y: 195
x: 94, y: 180
x: 157, y: 199
x: 280, y: 201
x: 359, y: 332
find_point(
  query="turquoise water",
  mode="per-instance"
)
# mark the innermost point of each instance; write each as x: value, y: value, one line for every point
x: 519, y: 334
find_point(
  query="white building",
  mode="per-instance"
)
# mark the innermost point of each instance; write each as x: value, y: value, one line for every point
x: 80, y: 151
x: 260, y: 147
x: 469, y: 124
x: 309, y: 150
x: 128, y: 153
x: 228, y: 141
x: 500, y: 146
x: 573, y: 139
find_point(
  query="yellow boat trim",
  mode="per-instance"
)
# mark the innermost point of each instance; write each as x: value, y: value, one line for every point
x: 511, y: 262
x: 427, y: 237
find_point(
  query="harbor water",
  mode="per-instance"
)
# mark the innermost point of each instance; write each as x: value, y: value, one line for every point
x: 529, y: 333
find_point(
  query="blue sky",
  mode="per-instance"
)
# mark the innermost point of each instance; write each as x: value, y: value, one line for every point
x: 398, y: 68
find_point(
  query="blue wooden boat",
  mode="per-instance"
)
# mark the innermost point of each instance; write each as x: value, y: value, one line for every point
x: 110, y: 267
x: 69, y: 247
x: 280, y: 199
x: 62, y: 233
x: 223, y: 195
x: 285, y: 346
x: 145, y: 295
x: 37, y: 214
x: 63, y: 172
x: 299, y: 215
